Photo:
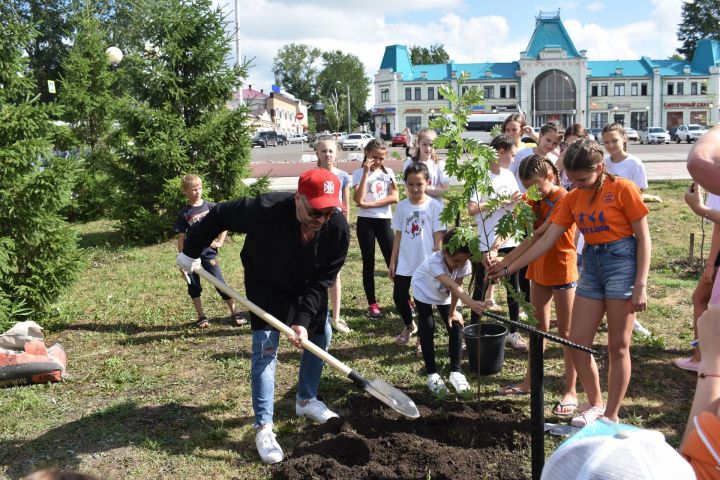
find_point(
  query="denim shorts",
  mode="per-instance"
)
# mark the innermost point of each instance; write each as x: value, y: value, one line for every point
x: 608, y: 270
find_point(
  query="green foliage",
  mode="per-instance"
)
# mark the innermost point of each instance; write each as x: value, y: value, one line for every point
x: 700, y: 19
x: 39, y: 255
x: 173, y: 119
x: 332, y: 115
x: 470, y: 163
x: 340, y: 71
x: 88, y: 100
x: 46, y: 49
x: 435, y: 54
x: 296, y: 67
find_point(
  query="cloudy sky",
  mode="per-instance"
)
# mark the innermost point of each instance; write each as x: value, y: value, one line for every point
x: 472, y: 31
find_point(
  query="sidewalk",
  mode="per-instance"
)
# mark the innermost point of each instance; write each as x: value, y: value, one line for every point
x: 656, y: 171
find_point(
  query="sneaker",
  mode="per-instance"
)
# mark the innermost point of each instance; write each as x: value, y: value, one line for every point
x: 638, y: 328
x: 404, y: 336
x: 315, y: 410
x: 374, y: 311
x: 588, y: 416
x: 435, y: 384
x: 516, y: 342
x: 267, y: 447
x: 459, y: 382
x: 687, y: 364
x: 341, y: 326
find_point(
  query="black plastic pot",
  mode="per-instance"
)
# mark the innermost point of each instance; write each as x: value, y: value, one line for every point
x: 490, y: 343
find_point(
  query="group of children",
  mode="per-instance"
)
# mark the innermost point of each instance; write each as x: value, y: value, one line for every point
x: 581, y: 198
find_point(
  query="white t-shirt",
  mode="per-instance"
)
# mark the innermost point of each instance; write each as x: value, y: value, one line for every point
x: 630, y: 168
x: 344, y: 181
x: 712, y: 201
x: 376, y: 188
x: 503, y: 183
x: 425, y: 285
x: 519, y: 157
x: 416, y: 224
x: 438, y: 177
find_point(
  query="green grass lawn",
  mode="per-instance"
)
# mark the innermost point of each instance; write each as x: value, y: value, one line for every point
x: 150, y: 396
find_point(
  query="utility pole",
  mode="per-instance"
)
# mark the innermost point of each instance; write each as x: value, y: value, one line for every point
x: 237, y: 48
x: 348, y: 110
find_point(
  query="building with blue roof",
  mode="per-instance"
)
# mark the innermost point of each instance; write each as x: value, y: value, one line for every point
x: 554, y: 81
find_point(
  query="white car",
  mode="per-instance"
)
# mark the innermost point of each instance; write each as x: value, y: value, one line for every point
x: 632, y: 134
x: 356, y: 141
x: 689, y: 133
x: 654, y: 135
x: 297, y: 138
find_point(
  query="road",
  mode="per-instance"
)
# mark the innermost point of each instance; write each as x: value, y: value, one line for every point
x: 284, y: 164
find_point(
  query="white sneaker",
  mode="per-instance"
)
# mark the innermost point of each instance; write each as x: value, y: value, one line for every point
x: 638, y: 328
x: 516, y: 342
x: 459, y: 382
x: 315, y: 410
x: 435, y: 384
x: 341, y: 326
x: 267, y: 447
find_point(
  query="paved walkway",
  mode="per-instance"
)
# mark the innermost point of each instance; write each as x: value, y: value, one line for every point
x: 283, y: 176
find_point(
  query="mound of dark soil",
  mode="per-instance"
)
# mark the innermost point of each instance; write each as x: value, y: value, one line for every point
x: 450, y: 440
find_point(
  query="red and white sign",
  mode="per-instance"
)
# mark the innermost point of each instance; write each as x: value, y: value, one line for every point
x: 299, y: 115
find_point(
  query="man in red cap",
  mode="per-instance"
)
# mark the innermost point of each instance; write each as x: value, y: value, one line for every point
x: 294, y: 247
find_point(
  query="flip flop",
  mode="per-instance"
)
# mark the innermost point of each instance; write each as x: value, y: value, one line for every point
x: 513, y: 389
x: 239, y: 318
x: 202, y: 322
x: 565, y: 409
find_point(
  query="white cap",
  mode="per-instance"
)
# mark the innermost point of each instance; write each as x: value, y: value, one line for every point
x: 612, y: 451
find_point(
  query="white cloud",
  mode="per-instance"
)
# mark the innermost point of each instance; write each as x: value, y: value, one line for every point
x: 595, y: 7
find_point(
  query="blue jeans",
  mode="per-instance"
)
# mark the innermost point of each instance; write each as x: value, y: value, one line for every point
x: 608, y: 270
x: 262, y: 371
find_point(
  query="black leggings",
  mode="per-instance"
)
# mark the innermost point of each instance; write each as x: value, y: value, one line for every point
x: 369, y: 229
x: 401, y: 296
x: 517, y: 281
x: 426, y: 332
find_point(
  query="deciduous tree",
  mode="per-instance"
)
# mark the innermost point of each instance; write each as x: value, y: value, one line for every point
x: 341, y: 70
x: 429, y: 55
x: 700, y: 19
x: 296, y: 67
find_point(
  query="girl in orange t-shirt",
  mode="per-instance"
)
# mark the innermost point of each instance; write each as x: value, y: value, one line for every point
x: 610, y: 214
x: 552, y: 275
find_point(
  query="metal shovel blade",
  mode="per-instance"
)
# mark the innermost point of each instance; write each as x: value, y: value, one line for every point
x: 392, y: 397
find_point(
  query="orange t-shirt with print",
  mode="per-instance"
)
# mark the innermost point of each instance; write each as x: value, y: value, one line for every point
x: 697, y: 449
x: 557, y: 266
x: 608, y: 218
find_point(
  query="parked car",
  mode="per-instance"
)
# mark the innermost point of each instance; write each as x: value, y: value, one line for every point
x: 689, y: 133
x: 297, y: 138
x: 632, y: 134
x: 356, y: 141
x: 265, y: 139
x: 399, y: 140
x: 317, y: 138
x: 654, y: 135
x: 282, y: 139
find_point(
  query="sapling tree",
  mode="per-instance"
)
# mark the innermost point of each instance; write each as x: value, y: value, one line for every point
x: 38, y: 252
x: 469, y: 162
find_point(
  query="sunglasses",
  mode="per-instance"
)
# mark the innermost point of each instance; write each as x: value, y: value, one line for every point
x: 312, y: 213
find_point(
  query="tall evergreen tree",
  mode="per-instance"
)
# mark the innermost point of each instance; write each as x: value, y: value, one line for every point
x: 87, y: 98
x: 173, y: 118
x: 700, y: 19
x: 38, y: 253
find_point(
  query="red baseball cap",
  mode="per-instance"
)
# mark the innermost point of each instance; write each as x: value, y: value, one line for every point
x: 321, y: 188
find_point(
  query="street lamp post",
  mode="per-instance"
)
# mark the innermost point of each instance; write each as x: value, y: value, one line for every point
x: 647, y: 116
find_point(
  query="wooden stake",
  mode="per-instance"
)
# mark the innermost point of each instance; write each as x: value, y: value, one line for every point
x: 691, y: 254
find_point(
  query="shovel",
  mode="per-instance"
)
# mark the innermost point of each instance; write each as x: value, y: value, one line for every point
x: 386, y: 393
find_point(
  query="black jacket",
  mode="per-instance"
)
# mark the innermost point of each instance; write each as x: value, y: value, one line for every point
x: 283, y: 277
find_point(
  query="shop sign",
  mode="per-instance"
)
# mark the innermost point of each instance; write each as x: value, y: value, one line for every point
x: 382, y: 110
x: 687, y: 105
x: 413, y: 110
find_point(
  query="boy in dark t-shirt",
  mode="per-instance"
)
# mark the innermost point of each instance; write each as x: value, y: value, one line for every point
x: 190, y: 214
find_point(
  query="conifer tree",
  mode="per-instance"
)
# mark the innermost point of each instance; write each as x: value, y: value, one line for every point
x: 38, y: 253
x: 174, y: 119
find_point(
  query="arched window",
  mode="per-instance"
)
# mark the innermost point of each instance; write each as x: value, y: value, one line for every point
x: 554, y: 97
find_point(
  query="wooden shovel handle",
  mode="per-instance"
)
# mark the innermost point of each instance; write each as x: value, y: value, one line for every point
x: 274, y: 322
